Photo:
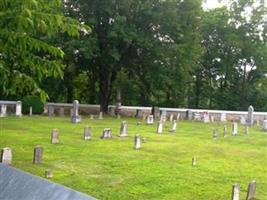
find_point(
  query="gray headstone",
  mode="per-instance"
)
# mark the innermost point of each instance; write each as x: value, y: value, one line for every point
x: 250, y: 116
x: 106, y: 134
x: 197, y: 116
x: 174, y: 125
x: 251, y: 193
x: 48, y: 174
x: 234, y: 128
x: 18, y: 109
x: 171, y: 118
x: 51, y: 110
x: 137, y: 142
x: 156, y: 112
x: 222, y: 117
x: 3, y: 110
x: 235, y: 192
x: 37, y: 155
x: 30, y: 111
x: 61, y: 112
x: 75, y: 118
x: 54, y: 136
x: 87, y: 133
x: 6, y: 155
x: 124, y: 129
x: 206, y: 117
x: 139, y: 113
x: 194, y: 161
x: 150, y: 120
x: 160, y: 127
x: 100, y: 115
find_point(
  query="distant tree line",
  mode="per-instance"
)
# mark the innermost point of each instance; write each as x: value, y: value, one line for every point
x: 170, y: 53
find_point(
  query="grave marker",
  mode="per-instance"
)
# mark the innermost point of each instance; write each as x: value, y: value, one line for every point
x: 54, y: 136
x: 6, y: 156
x: 224, y: 131
x: 30, y: 111
x: 215, y: 134
x: 264, y: 125
x: 48, y: 174
x: 194, y: 161
x: 150, y: 120
x: 171, y: 118
x: 124, y: 129
x: 75, y: 118
x: 174, y: 125
x: 61, y: 112
x: 87, y: 133
x: 235, y: 192
x: 234, y: 128
x: 137, y: 142
x: 3, y: 110
x: 106, y: 134
x: 18, y: 109
x: 251, y: 193
x: 160, y: 127
x: 250, y: 116
x: 37, y: 155
x: 100, y: 115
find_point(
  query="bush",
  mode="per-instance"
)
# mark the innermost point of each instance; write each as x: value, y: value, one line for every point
x: 34, y: 102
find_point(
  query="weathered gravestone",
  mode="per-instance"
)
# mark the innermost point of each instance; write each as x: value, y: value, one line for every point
x: 160, y: 127
x: 234, y: 128
x: 194, y: 161
x: 206, y: 117
x: 163, y: 116
x: 48, y: 174
x: 51, y: 110
x: 61, y: 112
x: 174, y: 125
x: 106, y: 134
x: 6, y: 155
x: 3, y: 110
x: 211, y: 118
x: 215, y: 134
x: 30, y: 111
x: 100, y: 115
x: 18, y: 109
x: 75, y: 118
x: 235, y: 192
x: 171, y: 118
x: 37, y: 155
x: 250, y: 119
x: 54, y: 136
x: 150, y: 120
x: 224, y: 131
x: 137, y: 142
x: 251, y: 193
x: 264, y: 125
x: 87, y: 133
x: 178, y: 116
x: 124, y: 129
x: 139, y: 113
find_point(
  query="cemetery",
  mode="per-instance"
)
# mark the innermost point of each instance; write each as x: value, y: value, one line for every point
x: 162, y: 155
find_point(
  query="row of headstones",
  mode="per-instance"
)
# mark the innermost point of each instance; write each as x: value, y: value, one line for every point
x: 234, y: 131
x: 251, y: 191
x: 3, y: 110
x: 150, y: 121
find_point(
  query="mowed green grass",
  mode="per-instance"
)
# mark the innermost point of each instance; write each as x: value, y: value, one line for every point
x: 112, y: 169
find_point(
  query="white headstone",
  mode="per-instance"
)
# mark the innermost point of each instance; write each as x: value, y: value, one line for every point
x: 18, y: 109
x: 54, y: 136
x: 30, y: 111
x: 150, y: 120
x: 250, y: 116
x: 3, y: 110
x: 264, y: 125
x: 174, y: 125
x: 124, y: 129
x: 194, y: 161
x: 234, y: 128
x: 106, y: 134
x: 100, y: 115
x: 6, y: 156
x: 235, y: 192
x: 75, y: 118
x: 222, y: 117
x: 160, y: 127
x: 137, y: 142
x: 251, y: 193
x: 87, y: 133
x: 171, y: 118
x: 243, y: 120
x: 206, y: 117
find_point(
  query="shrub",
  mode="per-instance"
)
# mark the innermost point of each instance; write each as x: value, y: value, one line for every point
x: 34, y: 102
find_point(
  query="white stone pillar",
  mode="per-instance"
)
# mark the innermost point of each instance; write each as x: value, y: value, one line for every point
x: 18, y: 109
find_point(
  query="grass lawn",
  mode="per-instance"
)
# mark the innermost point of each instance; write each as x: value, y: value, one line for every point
x: 112, y: 169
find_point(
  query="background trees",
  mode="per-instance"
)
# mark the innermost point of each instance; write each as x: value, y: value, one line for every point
x: 151, y: 52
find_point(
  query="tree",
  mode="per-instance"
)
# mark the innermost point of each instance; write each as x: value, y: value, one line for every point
x: 26, y: 56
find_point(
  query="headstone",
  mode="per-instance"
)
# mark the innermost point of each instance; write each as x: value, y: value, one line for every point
x: 222, y: 117
x: 211, y: 118
x: 51, y: 110
x: 137, y: 142
x: 215, y: 134
x: 75, y: 118
x: 194, y: 161
x: 235, y: 192
x: 30, y: 111
x: 3, y: 110
x: 243, y: 120
x: 251, y: 193
x: 189, y: 115
x: 100, y: 115
x: 124, y: 129
x: 206, y: 117
x: 54, y: 136
x: 37, y: 155
x: 171, y: 118
x: 257, y: 122
x: 160, y: 127
x: 18, y: 109
x: 87, y: 133
x: 91, y: 116
x: 150, y: 120
x: 174, y: 125
x: 61, y: 112
x: 250, y: 116
x: 178, y: 116
x: 197, y: 116
x: 6, y: 156
x: 234, y: 128
x: 48, y: 174
x: 106, y: 134
x: 156, y: 112
x: 264, y: 125
x: 139, y: 113
x: 163, y: 116
x: 224, y: 131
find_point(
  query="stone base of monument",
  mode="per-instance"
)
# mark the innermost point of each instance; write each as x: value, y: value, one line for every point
x: 76, y: 119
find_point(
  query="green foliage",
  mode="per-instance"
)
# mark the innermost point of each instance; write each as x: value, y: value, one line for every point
x: 34, y: 102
